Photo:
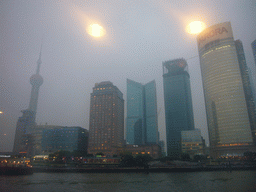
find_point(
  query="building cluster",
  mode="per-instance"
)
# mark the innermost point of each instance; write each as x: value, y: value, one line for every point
x: 229, y: 100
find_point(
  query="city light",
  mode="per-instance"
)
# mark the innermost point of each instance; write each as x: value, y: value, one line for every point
x: 196, y: 27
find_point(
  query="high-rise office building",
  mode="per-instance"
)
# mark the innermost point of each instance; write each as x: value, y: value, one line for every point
x: 252, y: 81
x: 178, y: 104
x: 254, y: 50
x: 142, y: 125
x: 226, y: 109
x: 247, y: 85
x: 106, y: 131
x: 23, y: 139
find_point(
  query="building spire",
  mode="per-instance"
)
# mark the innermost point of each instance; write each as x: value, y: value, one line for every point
x: 39, y: 59
x: 36, y: 81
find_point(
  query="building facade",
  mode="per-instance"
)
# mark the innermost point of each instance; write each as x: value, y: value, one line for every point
x: 254, y: 50
x: 192, y: 142
x: 251, y: 79
x: 162, y: 145
x: 247, y: 86
x: 142, y: 124
x: 23, y: 138
x: 106, y: 131
x: 154, y: 150
x: 178, y: 104
x: 59, y: 138
x: 226, y: 109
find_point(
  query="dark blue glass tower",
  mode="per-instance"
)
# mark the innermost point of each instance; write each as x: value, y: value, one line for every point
x: 178, y: 104
x: 248, y: 92
x: 141, y: 113
x: 254, y: 50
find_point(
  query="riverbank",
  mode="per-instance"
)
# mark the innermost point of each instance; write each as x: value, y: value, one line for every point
x: 136, y: 169
x: 16, y: 170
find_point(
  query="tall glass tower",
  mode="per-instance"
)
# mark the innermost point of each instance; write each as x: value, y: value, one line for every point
x: 248, y: 92
x: 254, y: 55
x: 178, y: 104
x: 142, y: 124
x: 254, y: 50
x: 226, y: 109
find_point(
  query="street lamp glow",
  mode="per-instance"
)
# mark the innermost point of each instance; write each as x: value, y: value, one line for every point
x: 196, y: 27
x: 1, y: 112
x: 96, y: 30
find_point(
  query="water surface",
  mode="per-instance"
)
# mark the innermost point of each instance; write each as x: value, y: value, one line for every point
x: 195, y: 181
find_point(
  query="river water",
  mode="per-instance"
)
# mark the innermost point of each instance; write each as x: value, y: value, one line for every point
x: 241, y: 181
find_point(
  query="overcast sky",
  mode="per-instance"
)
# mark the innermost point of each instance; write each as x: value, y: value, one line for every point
x: 140, y: 35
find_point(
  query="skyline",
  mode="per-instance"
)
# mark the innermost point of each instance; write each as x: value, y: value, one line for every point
x: 139, y: 37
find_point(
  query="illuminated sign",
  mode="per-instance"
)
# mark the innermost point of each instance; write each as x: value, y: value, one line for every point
x: 219, y: 31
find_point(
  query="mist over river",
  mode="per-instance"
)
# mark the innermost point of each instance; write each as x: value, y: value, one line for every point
x: 175, y: 181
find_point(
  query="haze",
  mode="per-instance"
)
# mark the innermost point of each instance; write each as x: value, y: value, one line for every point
x: 138, y: 37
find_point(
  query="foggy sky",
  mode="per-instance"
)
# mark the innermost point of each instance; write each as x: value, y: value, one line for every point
x: 140, y: 35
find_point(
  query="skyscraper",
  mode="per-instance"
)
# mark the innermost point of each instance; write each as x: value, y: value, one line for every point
x: 252, y: 82
x: 226, y: 109
x: 178, y: 104
x: 23, y: 138
x: 142, y: 125
x: 254, y: 50
x: 106, y: 131
x: 247, y: 85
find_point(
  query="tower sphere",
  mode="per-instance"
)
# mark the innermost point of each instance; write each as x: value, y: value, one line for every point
x: 36, y: 80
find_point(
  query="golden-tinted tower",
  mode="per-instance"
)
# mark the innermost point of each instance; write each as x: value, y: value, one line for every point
x: 106, y: 131
x: 228, y: 121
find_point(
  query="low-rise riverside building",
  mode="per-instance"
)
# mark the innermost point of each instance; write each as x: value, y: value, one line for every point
x: 192, y: 142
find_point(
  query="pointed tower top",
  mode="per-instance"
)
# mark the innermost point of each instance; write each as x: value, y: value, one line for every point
x: 36, y: 81
x: 39, y: 59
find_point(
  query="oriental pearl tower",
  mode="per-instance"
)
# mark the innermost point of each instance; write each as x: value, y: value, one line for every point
x: 23, y: 141
x: 36, y: 81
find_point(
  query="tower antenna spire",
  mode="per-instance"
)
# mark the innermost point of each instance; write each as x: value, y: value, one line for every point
x: 39, y: 59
